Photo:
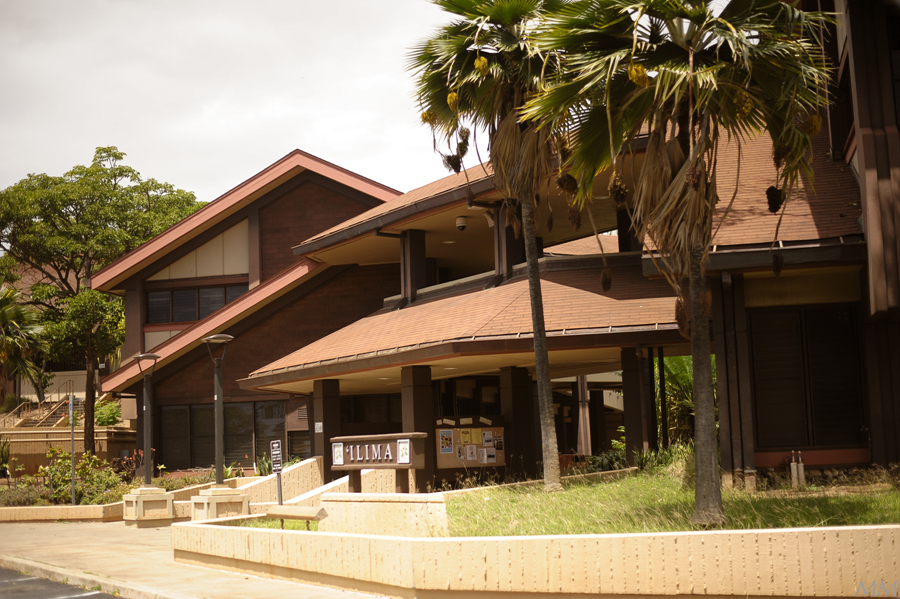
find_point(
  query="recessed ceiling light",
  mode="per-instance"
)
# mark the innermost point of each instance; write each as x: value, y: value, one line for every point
x: 384, y: 378
x: 449, y: 241
x: 451, y: 368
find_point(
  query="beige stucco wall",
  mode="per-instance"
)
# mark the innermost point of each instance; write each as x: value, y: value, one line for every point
x: 810, y: 562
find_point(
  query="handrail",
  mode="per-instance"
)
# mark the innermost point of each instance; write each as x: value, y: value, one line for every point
x: 14, y: 412
x: 50, y: 413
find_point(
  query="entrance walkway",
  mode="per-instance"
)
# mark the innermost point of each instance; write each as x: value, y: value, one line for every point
x: 136, y: 562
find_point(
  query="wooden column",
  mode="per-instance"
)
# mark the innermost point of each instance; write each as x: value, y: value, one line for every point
x: 508, y: 251
x: 742, y: 352
x: 523, y: 437
x: 253, y: 247
x: 636, y: 438
x: 583, y: 413
x: 413, y: 262
x: 650, y: 396
x: 417, y: 399
x: 599, y: 442
x: 326, y: 411
x: 663, y: 403
x: 627, y: 240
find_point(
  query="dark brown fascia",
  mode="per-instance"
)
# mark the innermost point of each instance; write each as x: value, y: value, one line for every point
x: 384, y: 221
x: 796, y: 254
x: 658, y: 334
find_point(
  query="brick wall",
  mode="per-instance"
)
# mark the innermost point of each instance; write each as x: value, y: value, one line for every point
x: 293, y: 218
x: 345, y: 299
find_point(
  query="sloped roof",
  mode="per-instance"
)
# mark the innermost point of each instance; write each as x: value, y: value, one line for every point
x: 586, y: 246
x: 829, y: 208
x: 386, y: 213
x: 229, y: 203
x: 573, y: 301
x: 217, y: 322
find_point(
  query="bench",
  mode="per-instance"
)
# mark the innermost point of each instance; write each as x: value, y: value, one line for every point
x: 296, y: 512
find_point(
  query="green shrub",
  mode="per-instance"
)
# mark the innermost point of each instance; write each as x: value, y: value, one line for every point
x: 107, y: 413
x: 9, y: 403
x: 263, y: 465
x: 95, y: 480
x: 25, y: 495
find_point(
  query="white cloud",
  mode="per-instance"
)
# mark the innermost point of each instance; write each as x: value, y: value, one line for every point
x: 204, y: 94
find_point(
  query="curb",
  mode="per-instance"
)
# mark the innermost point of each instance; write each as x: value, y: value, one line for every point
x: 129, y: 591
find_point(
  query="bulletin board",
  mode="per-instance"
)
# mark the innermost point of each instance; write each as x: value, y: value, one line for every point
x: 469, y: 443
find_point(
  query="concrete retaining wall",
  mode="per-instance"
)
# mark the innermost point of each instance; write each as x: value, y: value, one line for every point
x: 810, y: 562
x: 403, y: 514
x: 96, y: 513
x: 295, y: 480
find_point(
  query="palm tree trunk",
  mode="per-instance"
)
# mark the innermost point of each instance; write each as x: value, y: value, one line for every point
x: 89, y: 397
x: 552, y: 480
x: 707, y: 493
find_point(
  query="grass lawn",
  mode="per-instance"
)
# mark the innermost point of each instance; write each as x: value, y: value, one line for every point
x: 656, y: 502
x: 273, y: 523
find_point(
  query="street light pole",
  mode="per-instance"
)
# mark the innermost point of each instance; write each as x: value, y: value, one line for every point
x: 148, y: 412
x: 211, y: 341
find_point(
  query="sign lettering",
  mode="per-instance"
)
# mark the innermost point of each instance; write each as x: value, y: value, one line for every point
x: 275, y: 452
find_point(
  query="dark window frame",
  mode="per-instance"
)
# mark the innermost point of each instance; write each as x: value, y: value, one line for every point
x: 244, y: 288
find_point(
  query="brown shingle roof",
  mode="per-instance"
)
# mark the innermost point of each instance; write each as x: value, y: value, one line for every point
x: 573, y: 300
x: 453, y: 182
x: 586, y: 246
x: 832, y: 209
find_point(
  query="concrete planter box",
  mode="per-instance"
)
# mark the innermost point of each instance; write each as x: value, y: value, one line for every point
x: 808, y: 562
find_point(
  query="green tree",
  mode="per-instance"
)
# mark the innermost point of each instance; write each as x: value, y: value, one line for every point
x: 478, y: 72
x: 691, y: 78
x: 57, y: 231
x: 20, y: 336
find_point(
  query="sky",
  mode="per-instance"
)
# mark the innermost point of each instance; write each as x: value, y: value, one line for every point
x: 204, y: 94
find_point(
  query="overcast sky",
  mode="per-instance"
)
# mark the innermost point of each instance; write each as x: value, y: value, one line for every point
x: 204, y: 94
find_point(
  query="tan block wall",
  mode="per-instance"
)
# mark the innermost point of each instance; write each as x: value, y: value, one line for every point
x: 380, y: 481
x: 811, y: 562
x: 102, y: 513
x: 403, y: 514
x: 295, y: 480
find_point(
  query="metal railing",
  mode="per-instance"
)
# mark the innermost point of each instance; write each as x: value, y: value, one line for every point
x: 39, y: 410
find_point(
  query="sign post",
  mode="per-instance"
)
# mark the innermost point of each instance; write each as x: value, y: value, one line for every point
x: 275, y: 452
x: 72, y: 428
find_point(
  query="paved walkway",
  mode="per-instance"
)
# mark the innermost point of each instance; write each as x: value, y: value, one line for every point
x: 135, y: 562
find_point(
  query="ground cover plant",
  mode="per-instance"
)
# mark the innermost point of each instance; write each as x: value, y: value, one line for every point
x: 97, y: 482
x: 660, y: 499
x: 272, y: 523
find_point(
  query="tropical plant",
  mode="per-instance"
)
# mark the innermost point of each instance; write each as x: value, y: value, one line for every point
x: 4, y: 453
x: 19, y: 336
x: 690, y: 78
x: 63, y: 229
x: 680, y: 397
x: 263, y: 465
x: 478, y: 72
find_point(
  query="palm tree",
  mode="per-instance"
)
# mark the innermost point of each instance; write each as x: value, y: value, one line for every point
x: 675, y: 70
x: 19, y: 336
x: 478, y: 72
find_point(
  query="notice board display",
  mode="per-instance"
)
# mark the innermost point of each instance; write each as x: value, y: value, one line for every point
x: 472, y: 442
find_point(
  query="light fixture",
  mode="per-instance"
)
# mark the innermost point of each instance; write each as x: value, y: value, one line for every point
x: 211, y: 341
x: 449, y: 242
x: 148, y: 419
x: 384, y: 378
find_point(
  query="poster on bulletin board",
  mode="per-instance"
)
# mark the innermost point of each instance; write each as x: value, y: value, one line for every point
x: 474, y: 445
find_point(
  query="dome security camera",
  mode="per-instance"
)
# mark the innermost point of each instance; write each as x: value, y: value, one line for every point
x: 461, y: 222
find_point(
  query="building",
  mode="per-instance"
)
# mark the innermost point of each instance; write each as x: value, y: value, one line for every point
x: 421, y: 315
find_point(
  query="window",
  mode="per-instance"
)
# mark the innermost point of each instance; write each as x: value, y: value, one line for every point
x: 188, y: 305
x: 807, y: 387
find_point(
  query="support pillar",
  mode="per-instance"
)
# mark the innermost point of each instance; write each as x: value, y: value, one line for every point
x: 583, y: 413
x: 417, y: 407
x: 636, y: 435
x: 326, y: 421
x: 599, y: 442
x: 663, y: 402
x: 523, y: 436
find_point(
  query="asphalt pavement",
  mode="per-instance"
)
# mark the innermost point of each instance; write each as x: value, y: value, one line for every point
x: 19, y: 585
x: 136, y: 563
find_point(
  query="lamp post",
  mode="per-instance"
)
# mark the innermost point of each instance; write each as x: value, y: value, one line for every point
x: 148, y: 414
x: 211, y: 342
